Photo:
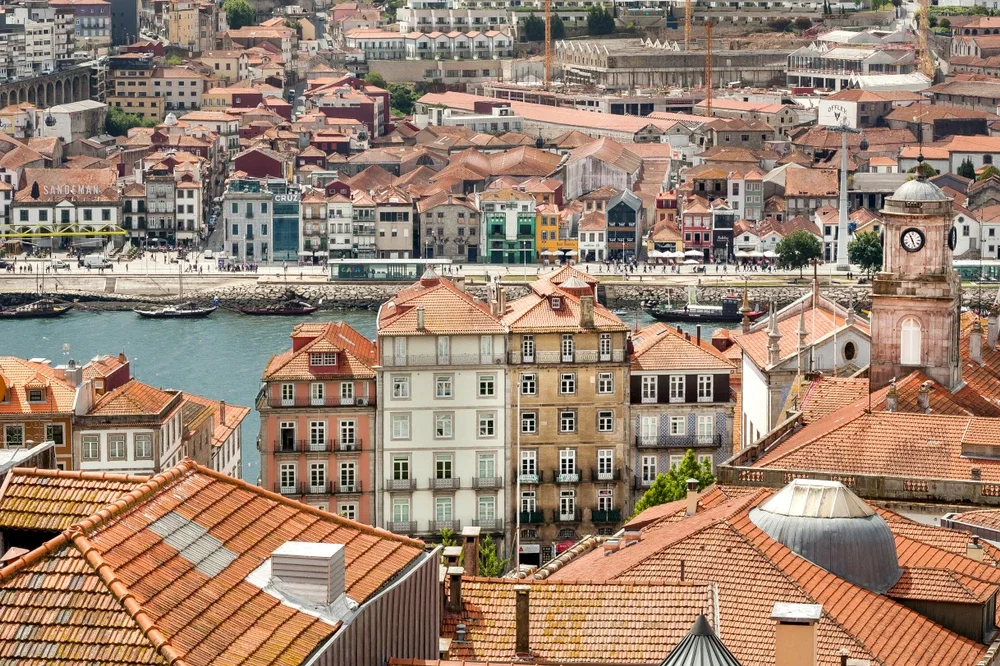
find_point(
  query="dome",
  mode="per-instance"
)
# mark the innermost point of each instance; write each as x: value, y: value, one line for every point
x: 827, y: 524
x: 170, y: 120
x: 919, y: 189
x: 701, y: 647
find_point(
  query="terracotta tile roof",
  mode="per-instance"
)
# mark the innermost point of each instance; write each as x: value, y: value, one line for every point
x: 966, y: 89
x: 133, y: 399
x: 534, y: 311
x: 609, y: 151
x: 927, y: 113
x: 659, y: 347
x: 825, y: 395
x: 593, y: 221
x: 940, y: 538
x: 371, y: 178
x: 235, y: 414
x: 984, y: 379
x: 447, y: 309
x: 72, y: 184
x: 102, y: 366
x: 18, y: 373
x: 578, y: 621
x: 43, y: 499
x: 113, y: 590
x: 358, y: 354
x: 811, y: 183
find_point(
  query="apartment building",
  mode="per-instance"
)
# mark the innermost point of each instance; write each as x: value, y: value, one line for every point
x: 313, y: 232
x: 452, y: 15
x: 232, y: 65
x: 91, y: 24
x: 318, y: 409
x: 131, y: 86
x: 225, y: 126
x: 181, y: 87
x: 340, y: 226
x: 568, y: 377
x: 191, y: 24
x: 442, y: 399
x: 246, y: 219
x: 507, y: 226
x: 56, y: 201
x: 679, y: 399
x: 161, y: 205
x: 379, y: 44
x: 395, y: 218
x: 47, y: 36
x: 363, y: 225
x: 36, y: 405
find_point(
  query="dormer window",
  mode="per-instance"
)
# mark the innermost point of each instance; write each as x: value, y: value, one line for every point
x: 36, y: 395
x: 323, y: 358
x: 556, y: 303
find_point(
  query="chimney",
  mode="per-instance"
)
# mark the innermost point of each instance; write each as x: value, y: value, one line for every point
x: 455, y: 589
x: 471, y: 548
x: 222, y: 411
x: 452, y: 556
x: 992, y: 327
x: 795, y: 633
x: 460, y: 633
x: 310, y: 572
x: 976, y: 474
x: 586, y: 312
x: 459, y: 281
x: 976, y: 342
x: 974, y: 549
x: 633, y: 535
x: 892, y: 398
x: 924, y: 398
x: 610, y: 546
x: 420, y: 317
x: 691, y: 507
x: 522, y: 645
x: 698, y: 334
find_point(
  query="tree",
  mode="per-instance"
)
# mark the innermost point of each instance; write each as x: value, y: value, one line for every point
x: 803, y: 23
x: 798, y: 248
x: 238, y: 13
x: 490, y: 564
x: 926, y: 170
x: 944, y: 23
x: 600, y: 21
x: 401, y: 99
x: 448, y: 538
x: 173, y: 60
x: 865, y: 250
x: 534, y: 28
x: 558, y: 29
x: 967, y: 169
x: 780, y: 24
x: 989, y: 172
x: 376, y: 79
x: 118, y: 123
x: 672, y: 485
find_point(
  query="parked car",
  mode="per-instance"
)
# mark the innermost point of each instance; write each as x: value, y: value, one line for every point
x: 59, y: 265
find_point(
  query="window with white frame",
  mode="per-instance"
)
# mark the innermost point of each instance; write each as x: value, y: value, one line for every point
x: 317, y: 435
x: 316, y: 392
x: 528, y: 348
x: 443, y: 426
x: 487, y: 465
x: 678, y: 425
x: 348, y: 476
x: 485, y: 348
x: 529, y: 383
x: 487, y: 424
x: 675, y: 461
x: 706, y: 458
x: 649, y: 428
x: 347, y: 391
x: 706, y: 426
x: 348, y: 432
x: 116, y: 447
x: 605, y: 464
x: 677, y: 388
x: 487, y: 508
x: 347, y: 510
x: 567, y: 461
x: 604, y: 346
x: 401, y: 510
x: 443, y: 466
x: 487, y: 386
x: 567, y: 421
x: 605, y: 421
x: 401, y: 468
x: 567, y: 383
x: 648, y: 389
x: 567, y: 504
x: 91, y: 447
x: 400, y: 426
x: 443, y: 509
x: 910, y: 351
x: 443, y: 385
x: 567, y: 346
x: 529, y: 463
x: 143, y: 444
x: 705, y: 388
x: 444, y: 349
x: 605, y: 499
x: 286, y: 476
x: 323, y: 358
x: 605, y: 383
x: 399, y: 349
x: 648, y: 469
x: 400, y: 387
x: 528, y: 501
x: 287, y: 393
x: 529, y: 423
x: 317, y: 476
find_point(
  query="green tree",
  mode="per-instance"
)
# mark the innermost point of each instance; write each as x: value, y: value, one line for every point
x: 238, y: 13
x: 865, y: 250
x: 781, y: 24
x: 798, y: 248
x: 944, y: 23
x: 534, y: 28
x: 672, y: 485
x: 558, y: 28
x: 600, y: 21
x: 987, y: 173
x: 401, y: 99
x: 803, y: 23
x: 490, y: 564
x: 967, y: 169
x: 376, y: 79
x: 448, y: 538
x: 118, y: 123
x: 173, y: 60
x: 926, y: 170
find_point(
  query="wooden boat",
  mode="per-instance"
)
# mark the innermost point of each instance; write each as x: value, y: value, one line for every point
x: 45, y: 308
x: 729, y: 311
x: 282, y: 309
x: 184, y: 310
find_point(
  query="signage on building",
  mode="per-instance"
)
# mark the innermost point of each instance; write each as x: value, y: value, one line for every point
x: 69, y: 190
x: 292, y: 197
x: 530, y: 548
x: 836, y: 113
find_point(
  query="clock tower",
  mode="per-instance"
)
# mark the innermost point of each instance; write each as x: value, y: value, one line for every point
x: 916, y: 297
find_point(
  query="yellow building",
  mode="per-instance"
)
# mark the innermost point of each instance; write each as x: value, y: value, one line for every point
x: 191, y: 24
x: 229, y: 65
x: 554, y: 235
x: 131, y: 86
x: 568, y: 392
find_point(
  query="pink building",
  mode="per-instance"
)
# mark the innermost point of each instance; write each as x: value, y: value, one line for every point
x: 317, y: 413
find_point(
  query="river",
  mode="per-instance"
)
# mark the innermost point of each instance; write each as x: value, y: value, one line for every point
x: 220, y: 357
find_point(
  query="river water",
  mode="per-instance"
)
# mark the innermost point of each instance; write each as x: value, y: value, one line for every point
x: 220, y: 357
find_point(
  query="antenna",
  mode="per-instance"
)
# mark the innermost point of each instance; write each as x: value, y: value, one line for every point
x: 708, y: 66
x: 548, y: 43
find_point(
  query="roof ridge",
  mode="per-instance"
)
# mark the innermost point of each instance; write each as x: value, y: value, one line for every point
x: 80, y: 474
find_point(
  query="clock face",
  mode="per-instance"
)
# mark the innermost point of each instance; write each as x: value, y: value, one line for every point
x: 952, y: 239
x: 911, y: 239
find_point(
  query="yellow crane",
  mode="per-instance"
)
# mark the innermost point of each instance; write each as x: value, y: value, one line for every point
x: 926, y: 60
x: 548, y: 43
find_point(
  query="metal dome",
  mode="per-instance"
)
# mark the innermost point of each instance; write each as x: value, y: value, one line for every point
x: 827, y: 524
x: 701, y: 647
x: 919, y: 189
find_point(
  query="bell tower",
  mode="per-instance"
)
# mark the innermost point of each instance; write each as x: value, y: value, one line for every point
x: 916, y: 297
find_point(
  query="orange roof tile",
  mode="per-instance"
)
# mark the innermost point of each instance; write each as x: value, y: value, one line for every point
x: 133, y: 398
x: 828, y: 394
x: 235, y: 414
x: 358, y: 354
x: 447, y: 309
x: 659, y: 347
x: 16, y: 373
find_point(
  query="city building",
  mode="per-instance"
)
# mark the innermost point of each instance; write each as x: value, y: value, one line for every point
x: 318, y: 431
x: 285, y: 220
x: 507, y: 226
x: 36, y: 405
x: 46, y: 32
x: 451, y: 15
x: 124, y: 22
x: 379, y: 44
x: 567, y: 405
x: 192, y: 24
x: 230, y: 66
x: 442, y: 411
x: 131, y: 86
x: 838, y: 67
x: 624, y: 213
x: 213, y: 434
x: 395, y: 223
x: 449, y: 227
x: 222, y: 124
x: 91, y: 24
x: 246, y: 220
x: 181, y: 87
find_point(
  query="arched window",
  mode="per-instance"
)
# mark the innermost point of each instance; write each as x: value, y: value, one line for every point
x: 909, y: 342
x: 850, y: 351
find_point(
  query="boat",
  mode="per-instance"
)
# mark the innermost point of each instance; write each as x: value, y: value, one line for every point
x: 282, y: 309
x: 729, y: 311
x: 45, y: 308
x: 184, y: 310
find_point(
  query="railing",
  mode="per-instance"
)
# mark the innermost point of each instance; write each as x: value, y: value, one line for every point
x: 573, y: 517
x: 452, y: 483
x: 578, y: 356
x: 433, y: 359
x: 573, y: 476
x: 293, y: 489
x: 487, y: 482
x: 609, y: 516
x: 532, y: 517
x: 438, y: 525
x: 400, y: 484
x: 323, y: 446
x: 350, y: 446
x: 402, y: 526
x: 680, y: 441
x: 328, y: 401
x: 348, y: 488
x: 533, y: 479
x: 491, y: 524
x: 612, y: 475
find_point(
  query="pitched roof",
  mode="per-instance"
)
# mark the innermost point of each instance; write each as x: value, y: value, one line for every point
x: 133, y: 398
x: 134, y: 580
x: 608, y: 151
x: 659, y: 347
x: 446, y: 308
x: 73, y: 184
x: 811, y: 183
x: 534, y: 312
x: 18, y: 373
x: 828, y: 394
x: 358, y: 354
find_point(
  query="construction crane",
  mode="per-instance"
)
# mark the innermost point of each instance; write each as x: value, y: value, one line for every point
x: 548, y: 43
x: 926, y: 60
x: 688, y: 17
x: 708, y: 66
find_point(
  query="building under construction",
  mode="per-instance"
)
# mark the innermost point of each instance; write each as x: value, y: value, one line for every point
x: 621, y: 64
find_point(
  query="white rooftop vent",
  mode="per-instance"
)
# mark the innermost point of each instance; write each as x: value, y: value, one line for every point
x: 312, y: 572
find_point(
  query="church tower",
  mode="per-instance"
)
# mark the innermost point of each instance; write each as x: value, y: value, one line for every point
x: 916, y: 298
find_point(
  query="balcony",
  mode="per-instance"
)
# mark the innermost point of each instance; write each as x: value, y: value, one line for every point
x: 532, y: 479
x: 678, y: 441
x: 321, y: 446
x: 489, y: 524
x: 572, y: 476
x: 285, y: 489
x: 434, y: 360
x: 438, y: 525
x: 321, y: 489
x: 347, y: 488
x: 402, y: 526
x: 487, y: 482
x: 358, y: 401
x: 610, y: 475
x: 452, y: 483
x: 350, y: 446
x: 532, y: 517
x: 400, y: 484
x: 610, y: 516
x: 574, y: 516
x: 328, y: 401
x: 578, y: 356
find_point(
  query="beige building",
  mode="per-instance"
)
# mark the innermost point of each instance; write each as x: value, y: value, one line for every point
x: 231, y: 65
x: 191, y: 24
x: 568, y: 394
x: 180, y: 87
